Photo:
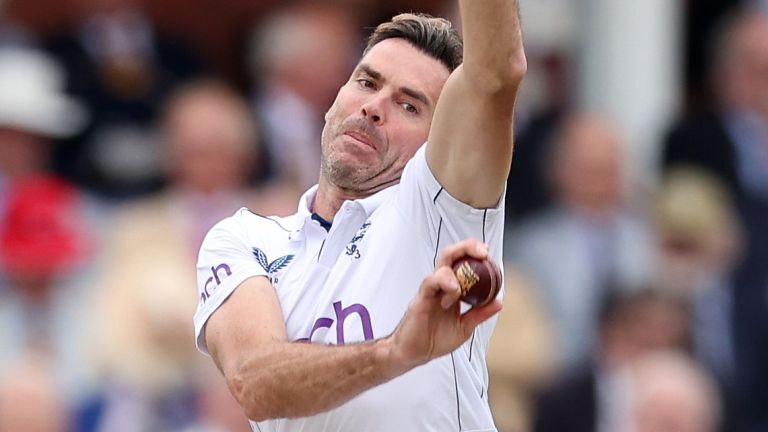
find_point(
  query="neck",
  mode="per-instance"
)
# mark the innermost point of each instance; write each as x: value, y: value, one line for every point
x: 329, y: 199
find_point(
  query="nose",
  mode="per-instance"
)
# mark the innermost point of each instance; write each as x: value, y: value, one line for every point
x: 373, y: 110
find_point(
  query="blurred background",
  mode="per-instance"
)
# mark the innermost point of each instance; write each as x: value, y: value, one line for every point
x: 636, y: 241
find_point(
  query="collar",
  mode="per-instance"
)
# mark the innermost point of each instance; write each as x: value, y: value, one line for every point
x: 304, y: 213
x: 323, y: 223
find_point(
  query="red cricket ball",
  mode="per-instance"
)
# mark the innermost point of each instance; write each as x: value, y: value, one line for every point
x: 479, y: 280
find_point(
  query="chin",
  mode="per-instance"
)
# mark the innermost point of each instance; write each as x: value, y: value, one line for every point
x: 348, y: 158
x: 350, y: 177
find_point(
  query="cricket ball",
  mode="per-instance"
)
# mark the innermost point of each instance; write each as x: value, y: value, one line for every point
x: 479, y: 280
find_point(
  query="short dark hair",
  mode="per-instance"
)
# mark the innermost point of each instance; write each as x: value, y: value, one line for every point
x: 435, y: 37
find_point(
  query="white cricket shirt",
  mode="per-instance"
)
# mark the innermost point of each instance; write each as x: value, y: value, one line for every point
x: 354, y: 283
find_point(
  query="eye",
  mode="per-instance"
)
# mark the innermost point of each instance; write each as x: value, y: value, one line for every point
x: 409, y: 107
x: 366, y: 83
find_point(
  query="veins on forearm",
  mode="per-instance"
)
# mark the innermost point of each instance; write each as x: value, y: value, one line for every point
x: 297, y: 380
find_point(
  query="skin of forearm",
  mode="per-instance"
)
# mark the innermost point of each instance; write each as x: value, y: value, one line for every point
x: 298, y: 379
x: 493, y: 49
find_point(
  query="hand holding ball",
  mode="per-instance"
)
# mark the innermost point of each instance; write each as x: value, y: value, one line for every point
x: 479, y: 280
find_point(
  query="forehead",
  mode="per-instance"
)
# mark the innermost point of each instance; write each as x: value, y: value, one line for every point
x: 402, y: 64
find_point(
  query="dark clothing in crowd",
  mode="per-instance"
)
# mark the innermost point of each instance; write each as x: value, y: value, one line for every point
x: 570, y: 405
x: 118, y: 155
x: 729, y: 147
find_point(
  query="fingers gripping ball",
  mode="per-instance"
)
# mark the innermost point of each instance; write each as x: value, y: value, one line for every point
x: 480, y: 280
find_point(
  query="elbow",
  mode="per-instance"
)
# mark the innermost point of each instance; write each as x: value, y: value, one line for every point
x: 248, y: 397
x: 511, y: 73
x: 503, y: 79
x: 255, y: 414
x: 517, y: 68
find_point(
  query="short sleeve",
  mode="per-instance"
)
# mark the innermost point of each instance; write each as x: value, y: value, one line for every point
x: 446, y: 220
x: 224, y: 262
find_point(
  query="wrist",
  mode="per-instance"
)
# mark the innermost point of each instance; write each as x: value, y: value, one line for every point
x: 394, y: 358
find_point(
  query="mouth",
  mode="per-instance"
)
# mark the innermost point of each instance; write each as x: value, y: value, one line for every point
x: 361, y: 137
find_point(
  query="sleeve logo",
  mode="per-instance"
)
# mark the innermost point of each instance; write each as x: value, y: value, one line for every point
x: 219, y: 272
x: 271, y: 267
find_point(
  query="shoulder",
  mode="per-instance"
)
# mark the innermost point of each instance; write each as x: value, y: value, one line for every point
x: 247, y: 225
x: 245, y: 218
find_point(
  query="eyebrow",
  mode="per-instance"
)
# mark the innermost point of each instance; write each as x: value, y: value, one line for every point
x: 419, y: 96
x: 370, y: 72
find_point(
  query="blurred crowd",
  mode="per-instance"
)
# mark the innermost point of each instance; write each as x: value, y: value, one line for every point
x: 128, y: 128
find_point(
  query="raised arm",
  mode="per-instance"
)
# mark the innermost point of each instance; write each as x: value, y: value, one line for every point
x: 470, y: 142
x: 272, y: 377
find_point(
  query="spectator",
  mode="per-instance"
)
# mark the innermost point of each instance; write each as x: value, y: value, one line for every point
x: 699, y: 246
x: 731, y: 141
x: 699, y: 242
x: 301, y: 56
x: 146, y: 358
x: 123, y: 69
x: 45, y: 250
x: 728, y: 140
x: 588, y: 236
x: 668, y: 392
x: 33, y: 110
x: 591, y: 398
x: 45, y: 229
x: 29, y: 400
x: 520, y: 355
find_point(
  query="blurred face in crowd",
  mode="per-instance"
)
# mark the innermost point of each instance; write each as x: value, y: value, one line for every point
x: 28, y: 400
x: 21, y: 153
x: 744, y: 65
x: 380, y: 116
x: 329, y: 62
x: 691, y: 262
x: 211, y: 140
x: 587, y: 167
x: 698, y: 232
x: 312, y: 54
x: 672, y: 398
x: 683, y: 263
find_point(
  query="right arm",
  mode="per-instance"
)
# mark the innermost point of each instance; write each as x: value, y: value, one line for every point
x: 272, y: 377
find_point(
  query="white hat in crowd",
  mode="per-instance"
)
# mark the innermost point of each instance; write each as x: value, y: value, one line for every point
x: 32, y: 95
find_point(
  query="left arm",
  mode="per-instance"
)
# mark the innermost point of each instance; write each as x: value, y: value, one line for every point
x: 469, y: 149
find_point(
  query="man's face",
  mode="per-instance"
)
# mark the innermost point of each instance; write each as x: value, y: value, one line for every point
x: 208, y: 142
x: 380, y: 116
x: 22, y: 152
x: 746, y: 79
x: 589, y: 166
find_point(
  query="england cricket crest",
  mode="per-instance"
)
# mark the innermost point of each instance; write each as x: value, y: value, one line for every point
x: 271, y: 267
x: 352, y: 248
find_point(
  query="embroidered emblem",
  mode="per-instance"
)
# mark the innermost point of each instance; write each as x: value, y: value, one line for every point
x: 467, y: 277
x: 271, y: 267
x: 352, y: 249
